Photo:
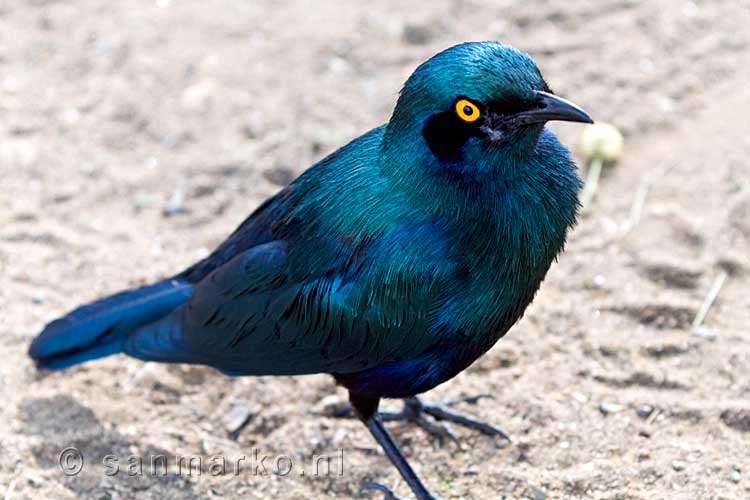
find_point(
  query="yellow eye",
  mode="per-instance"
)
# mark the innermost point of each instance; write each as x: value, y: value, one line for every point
x: 467, y: 110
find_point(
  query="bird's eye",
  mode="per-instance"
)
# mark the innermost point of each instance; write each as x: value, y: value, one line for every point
x: 467, y: 110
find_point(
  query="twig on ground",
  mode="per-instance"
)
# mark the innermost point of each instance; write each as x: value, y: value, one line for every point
x: 639, y: 200
x: 9, y: 491
x: 711, y: 296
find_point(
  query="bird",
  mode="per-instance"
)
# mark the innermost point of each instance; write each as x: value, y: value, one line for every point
x: 391, y: 264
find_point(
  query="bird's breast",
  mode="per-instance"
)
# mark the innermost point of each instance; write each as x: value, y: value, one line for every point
x: 505, y: 254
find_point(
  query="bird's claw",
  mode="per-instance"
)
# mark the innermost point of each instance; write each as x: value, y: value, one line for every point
x: 388, y: 493
x: 416, y: 411
x: 472, y: 400
x: 441, y: 412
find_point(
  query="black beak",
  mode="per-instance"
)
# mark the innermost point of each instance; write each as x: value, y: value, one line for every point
x: 549, y: 107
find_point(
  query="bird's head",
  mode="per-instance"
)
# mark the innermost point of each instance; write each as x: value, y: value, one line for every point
x: 474, y: 99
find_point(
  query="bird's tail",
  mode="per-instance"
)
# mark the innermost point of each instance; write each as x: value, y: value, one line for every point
x: 102, y: 327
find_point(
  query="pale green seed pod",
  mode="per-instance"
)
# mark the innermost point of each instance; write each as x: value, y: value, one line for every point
x: 602, y: 141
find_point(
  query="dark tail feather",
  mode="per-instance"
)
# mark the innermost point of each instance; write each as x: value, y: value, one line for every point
x: 101, y: 328
x: 161, y: 341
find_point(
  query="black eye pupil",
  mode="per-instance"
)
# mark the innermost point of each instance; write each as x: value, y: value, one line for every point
x: 468, y: 110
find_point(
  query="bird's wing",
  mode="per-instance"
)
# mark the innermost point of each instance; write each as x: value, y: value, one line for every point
x: 259, y: 314
x: 255, y: 230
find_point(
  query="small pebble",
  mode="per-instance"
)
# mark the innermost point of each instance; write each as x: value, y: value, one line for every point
x: 643, y: 455
x: 34, y: 480
x: 338, y: 65
x: 237, y: 418
x: 607, y: 408
x: 140, y: 201
x: 736, y: 418
x: 705, y: 333
x: 472, y: 471
x: 199, y: 96
x: 281, y: 176
x: 176, y: 203
x: 580, y: 397
x: 736, y: 475
x: 415, y: 34
x: 678, y: 465
x: 212, y: 445
x: 644, y: 411
x: 331, y: 406
x: 339, y: 437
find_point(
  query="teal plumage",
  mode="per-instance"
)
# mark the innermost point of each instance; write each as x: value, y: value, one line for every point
x: 392, y: 264
x: 382, y: 252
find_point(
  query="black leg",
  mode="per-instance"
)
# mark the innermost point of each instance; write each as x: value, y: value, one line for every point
x: 366, y: 408
x: 378, y: 431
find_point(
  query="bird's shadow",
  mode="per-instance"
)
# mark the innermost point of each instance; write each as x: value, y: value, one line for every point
x: 57, y: 423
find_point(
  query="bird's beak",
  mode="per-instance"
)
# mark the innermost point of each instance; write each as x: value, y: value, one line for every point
x: 549, y: 107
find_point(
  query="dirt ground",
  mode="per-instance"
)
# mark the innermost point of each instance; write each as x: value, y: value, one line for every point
x: 134, y: 136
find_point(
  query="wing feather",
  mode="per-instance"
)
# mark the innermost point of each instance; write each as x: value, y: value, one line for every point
x: 254, y: 316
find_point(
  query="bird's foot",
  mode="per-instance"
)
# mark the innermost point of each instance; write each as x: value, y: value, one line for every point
x: 430, y: 417
x: 388, y: 493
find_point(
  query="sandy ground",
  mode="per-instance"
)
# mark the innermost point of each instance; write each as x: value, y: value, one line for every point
x: 112, y: 112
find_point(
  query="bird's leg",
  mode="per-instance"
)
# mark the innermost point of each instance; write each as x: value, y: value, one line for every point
x: 376, y: 428
x: 366, y: 410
